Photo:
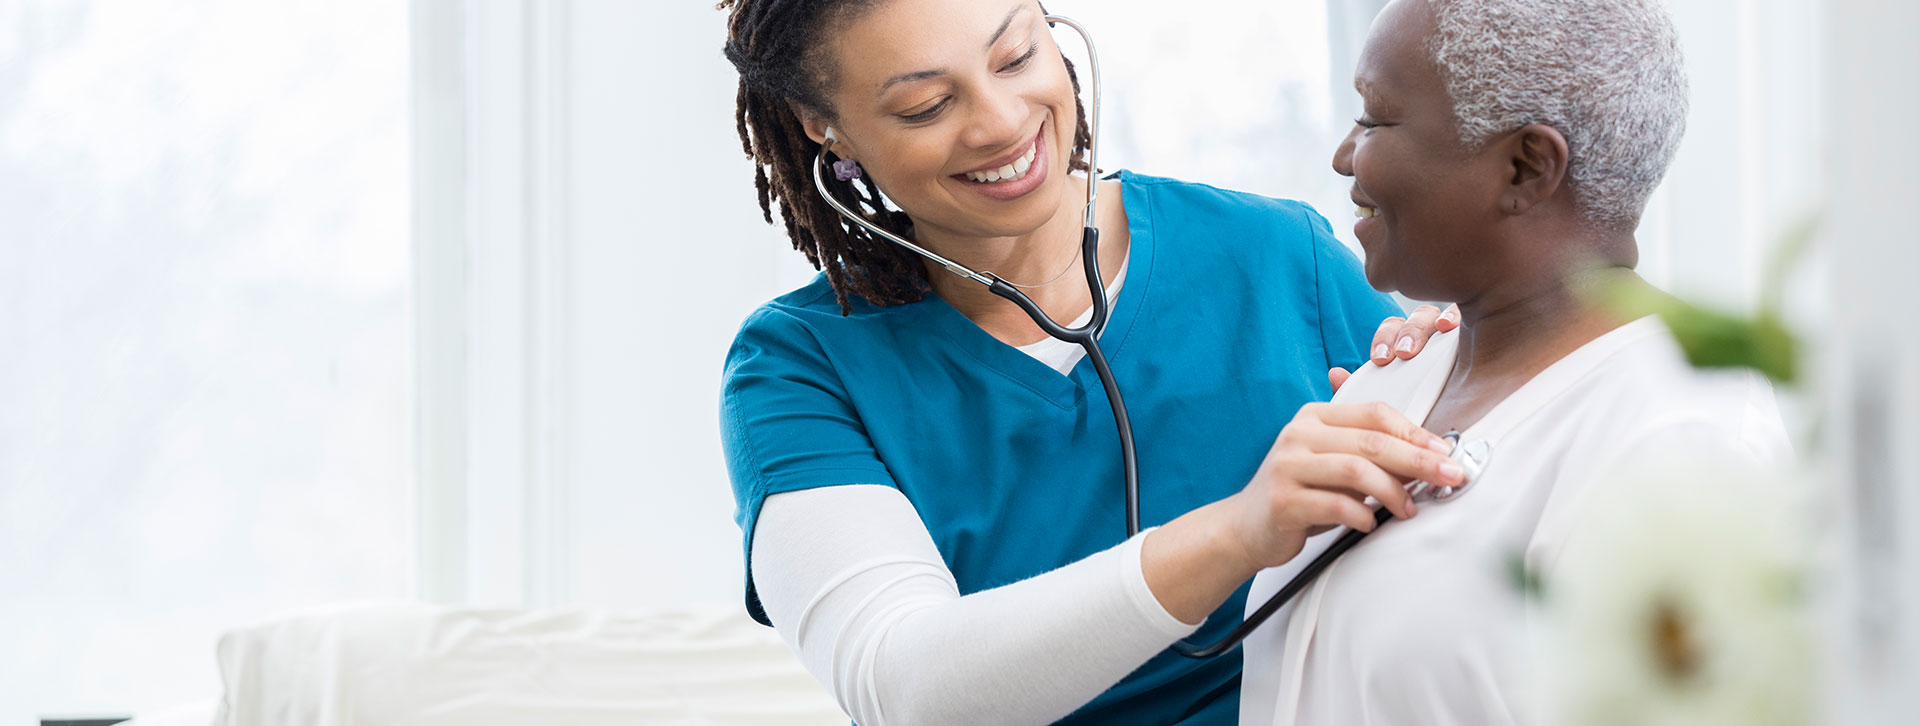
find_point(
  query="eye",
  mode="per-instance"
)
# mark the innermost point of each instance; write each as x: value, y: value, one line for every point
x: 1021, y: 62
x: 1366, y: 123
x: 927, y: 115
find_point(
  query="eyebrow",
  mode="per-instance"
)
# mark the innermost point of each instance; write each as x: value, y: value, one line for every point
x: 1006, y: 23
x: 915, y: 76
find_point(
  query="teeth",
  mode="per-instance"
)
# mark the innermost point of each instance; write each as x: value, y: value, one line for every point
x: 1011, y: 172
x: 1365, y: 212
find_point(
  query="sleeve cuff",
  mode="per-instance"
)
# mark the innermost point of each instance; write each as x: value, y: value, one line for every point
x: 1134, y: 577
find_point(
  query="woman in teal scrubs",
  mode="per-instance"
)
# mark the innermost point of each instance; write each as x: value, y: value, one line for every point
x: 929, y: 486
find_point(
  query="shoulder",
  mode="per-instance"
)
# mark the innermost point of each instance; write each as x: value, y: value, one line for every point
x: 1210, y: 231
x: 811, y: 311
x: 1666, y: 402
x: 1185, y: 201
x: 1398, y: 382
x: 788, y: 333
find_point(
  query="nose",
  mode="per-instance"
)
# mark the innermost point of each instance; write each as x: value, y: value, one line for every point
x: 1000, y: 118
x: 1343, y: 155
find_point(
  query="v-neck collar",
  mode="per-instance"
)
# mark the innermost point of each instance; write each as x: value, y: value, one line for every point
x: 1538, y: 391
x: 1064, y: 391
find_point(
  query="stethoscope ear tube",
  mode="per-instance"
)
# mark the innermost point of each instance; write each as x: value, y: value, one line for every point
x: 1088, y: 337
x: 1090, y: 249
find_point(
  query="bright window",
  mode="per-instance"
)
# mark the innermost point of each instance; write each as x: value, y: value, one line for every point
x: 204, y: 414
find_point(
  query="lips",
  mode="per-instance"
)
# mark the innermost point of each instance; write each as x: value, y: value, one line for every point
x: 1366, y: 218
x: 1013, y: 175
x: 1012, y: 171
x: 1363, y: 207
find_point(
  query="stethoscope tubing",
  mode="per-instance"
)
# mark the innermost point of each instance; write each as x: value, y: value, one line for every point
x: 1273, y: 604
x: 1088, y: 338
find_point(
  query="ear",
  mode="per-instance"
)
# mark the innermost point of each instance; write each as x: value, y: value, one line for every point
x: 816, y: 127
x: 1538, y: 156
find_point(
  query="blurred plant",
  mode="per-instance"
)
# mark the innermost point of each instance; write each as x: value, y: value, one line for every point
x: 1681, y: 600
x: 1720, y: 339
x: 1681, y: 597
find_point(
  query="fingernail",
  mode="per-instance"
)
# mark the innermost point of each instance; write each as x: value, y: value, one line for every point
x: 1406, y: 345
x: 1452, y: 472
x: 1380, y: 352
x: 1412, y: 509
x: 1440, y: 445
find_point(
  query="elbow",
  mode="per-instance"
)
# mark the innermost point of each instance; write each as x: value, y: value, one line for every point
x: 899, y: 682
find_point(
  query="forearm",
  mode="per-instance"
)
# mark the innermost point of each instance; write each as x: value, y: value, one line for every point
x: 853, y: 582
x: 1030, y: 652
x: 1192, y: 565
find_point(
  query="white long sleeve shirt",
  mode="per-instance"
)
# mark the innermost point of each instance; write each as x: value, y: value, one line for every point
x: 850, y: 578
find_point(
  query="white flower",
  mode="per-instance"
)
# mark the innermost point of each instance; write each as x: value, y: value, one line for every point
x: 1680, y: 599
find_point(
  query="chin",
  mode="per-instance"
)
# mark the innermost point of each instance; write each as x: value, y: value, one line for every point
x: 1378, y: 277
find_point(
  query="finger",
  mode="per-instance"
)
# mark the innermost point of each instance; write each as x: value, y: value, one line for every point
x: 1449, y: 319
x: 1383, y: 452
x: 1413, y: 334
x: 1355, y: 477
x: 1315, y: 507
x: 1338, y: 377
x: 1375, y: 415
x: 1383, y: 340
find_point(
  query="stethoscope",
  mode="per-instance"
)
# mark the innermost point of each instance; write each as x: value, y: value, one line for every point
x: 1088, y: 336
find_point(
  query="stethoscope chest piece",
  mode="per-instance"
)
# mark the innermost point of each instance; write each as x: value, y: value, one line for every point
x: 1471, y: 456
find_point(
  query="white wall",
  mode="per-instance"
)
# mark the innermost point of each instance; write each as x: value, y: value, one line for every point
x: 670, y: 254
x: 1870, y: 372
x: 597, y: 251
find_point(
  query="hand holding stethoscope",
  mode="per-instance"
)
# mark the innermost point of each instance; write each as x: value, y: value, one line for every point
x: 1308, y: 487
x: 1310, y: 484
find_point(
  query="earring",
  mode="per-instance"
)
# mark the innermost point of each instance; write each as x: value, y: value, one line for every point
x: 843, y: 169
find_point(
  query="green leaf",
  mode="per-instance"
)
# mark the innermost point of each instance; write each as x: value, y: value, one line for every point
x: 1712, y: 338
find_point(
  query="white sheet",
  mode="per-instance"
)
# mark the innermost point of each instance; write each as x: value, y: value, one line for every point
x: 424, y: 666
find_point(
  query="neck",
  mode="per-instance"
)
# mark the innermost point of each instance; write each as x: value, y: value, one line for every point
x: 1528, y: 326
x: 1510, y: 335
x: 1029, y: 259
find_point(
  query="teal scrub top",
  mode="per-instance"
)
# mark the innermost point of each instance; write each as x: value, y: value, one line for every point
x: 1234, y: 307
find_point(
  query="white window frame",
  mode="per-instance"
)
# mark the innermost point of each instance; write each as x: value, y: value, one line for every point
x: 489, y: 280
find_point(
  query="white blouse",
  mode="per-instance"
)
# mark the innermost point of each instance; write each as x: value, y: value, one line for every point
x: 1422, y: 622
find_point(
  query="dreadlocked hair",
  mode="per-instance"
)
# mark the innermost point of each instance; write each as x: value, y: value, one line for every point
x: 775, y: 45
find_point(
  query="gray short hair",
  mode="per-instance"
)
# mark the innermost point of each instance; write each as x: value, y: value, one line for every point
x: 1606, y: 73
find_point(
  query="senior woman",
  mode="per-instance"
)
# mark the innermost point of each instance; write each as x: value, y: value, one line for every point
x: 1506, y: 152
x: 929, y: 486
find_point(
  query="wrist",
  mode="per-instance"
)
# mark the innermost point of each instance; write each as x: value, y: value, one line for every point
x: 1235, y: 538
x: 1195, y: 562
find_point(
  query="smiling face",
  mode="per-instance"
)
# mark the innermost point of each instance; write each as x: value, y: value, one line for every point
x: 1429, y: 206
x: 960, y: 110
